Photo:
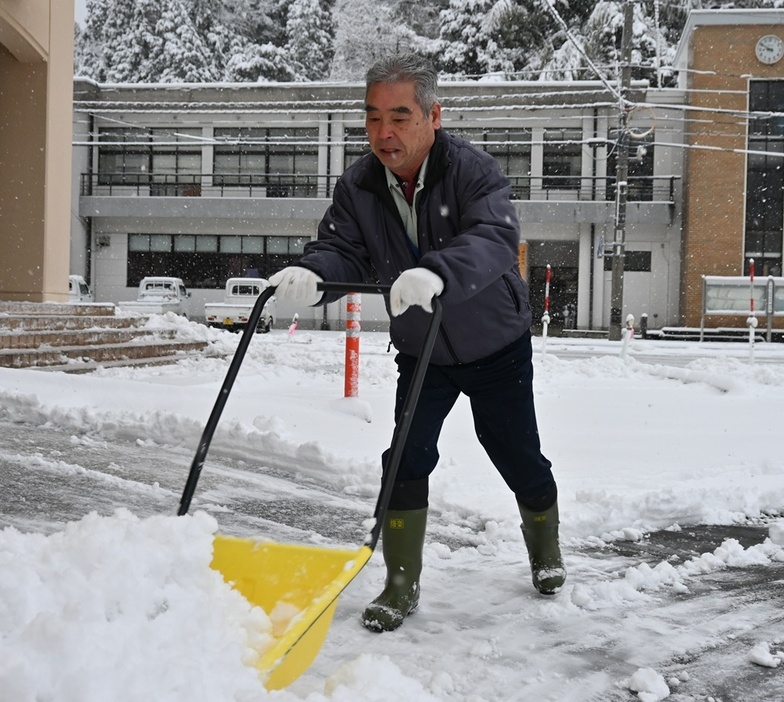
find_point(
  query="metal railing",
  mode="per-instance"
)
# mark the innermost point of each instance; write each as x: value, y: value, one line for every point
x: 592, y: 188
x: 524, y: 187
x: 205, y: 184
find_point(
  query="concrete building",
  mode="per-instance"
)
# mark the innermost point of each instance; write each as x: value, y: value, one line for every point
x: 210, y: 181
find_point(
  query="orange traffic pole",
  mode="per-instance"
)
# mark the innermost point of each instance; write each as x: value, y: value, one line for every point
x: 353, y: 309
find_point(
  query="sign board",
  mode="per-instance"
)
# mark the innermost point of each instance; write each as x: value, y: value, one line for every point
x: 731, y: 295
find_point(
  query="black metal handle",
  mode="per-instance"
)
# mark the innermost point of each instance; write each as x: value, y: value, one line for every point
x: 402, y: 428
x: 220, y: 403
x: 399, y: 435
x: 345, y: 289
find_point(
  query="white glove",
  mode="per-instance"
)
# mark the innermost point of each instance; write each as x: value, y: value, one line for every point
x: 416, y: 286
x: 297, y: 284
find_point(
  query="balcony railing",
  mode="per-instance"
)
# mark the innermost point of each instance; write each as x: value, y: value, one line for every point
x: 204, y: 184
x: 592, y: 188
x: 524, y: 187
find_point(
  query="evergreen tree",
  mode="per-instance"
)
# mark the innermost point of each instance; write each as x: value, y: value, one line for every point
x: 259, y: 63
x: 420, y: 18
x: 182, y: 57
x: 309, y: 45
x: 462, y: 39
x: 287, y: 40
x: 107, y: 26
x: 260, y: 21
x: 142, y: 41
x: 365, y: 31
x: 480, y: 37
x: 603, y: 32
x: 213, y: 23
x: 131, y: 46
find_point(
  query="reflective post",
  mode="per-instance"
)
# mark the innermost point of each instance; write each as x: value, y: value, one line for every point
x: 353, y: 328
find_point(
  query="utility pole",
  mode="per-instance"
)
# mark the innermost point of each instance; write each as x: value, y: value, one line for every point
x: 621, y: 177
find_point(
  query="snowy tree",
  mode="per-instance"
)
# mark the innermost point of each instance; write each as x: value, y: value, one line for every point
x: 421, y: 18
x: 259, y: 21
x: 309, y: 44
x: 286, y: 40
x: 365, y: 31
x: 107, y: 25
x: 478, y: 37
x: 214, y: 25
x: 142, y: 41
x: 257, y: 63
x: 131, y: 46
x: 183, y: 56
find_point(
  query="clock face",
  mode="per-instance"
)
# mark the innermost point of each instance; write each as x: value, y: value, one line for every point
x: 770, y: 49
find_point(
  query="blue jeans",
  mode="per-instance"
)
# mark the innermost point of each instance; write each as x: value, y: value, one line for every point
x: 500, y: 389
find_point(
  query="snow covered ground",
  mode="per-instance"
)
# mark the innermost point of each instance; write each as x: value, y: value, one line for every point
x: 671, y: 476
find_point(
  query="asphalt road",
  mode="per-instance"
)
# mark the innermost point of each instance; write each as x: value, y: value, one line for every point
x: 48, y: 477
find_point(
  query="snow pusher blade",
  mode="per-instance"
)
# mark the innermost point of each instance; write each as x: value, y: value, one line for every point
x: 307, y: 579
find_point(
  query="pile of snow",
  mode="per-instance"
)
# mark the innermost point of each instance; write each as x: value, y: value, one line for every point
x: 124, y: 609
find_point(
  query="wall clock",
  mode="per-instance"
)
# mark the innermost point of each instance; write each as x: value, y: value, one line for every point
x: 770, y: 49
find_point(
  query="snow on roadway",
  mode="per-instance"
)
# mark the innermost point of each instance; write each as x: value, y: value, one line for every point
x: 112, y: 598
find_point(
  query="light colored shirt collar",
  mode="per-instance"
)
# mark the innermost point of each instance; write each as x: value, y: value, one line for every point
x: 394, y: 185
x: 407, y: 212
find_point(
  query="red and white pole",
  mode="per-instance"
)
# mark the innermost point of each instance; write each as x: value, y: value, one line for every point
x: 628, y: 336
x: 546, y: 315
x: 353, y: 316
x: 547, y: 291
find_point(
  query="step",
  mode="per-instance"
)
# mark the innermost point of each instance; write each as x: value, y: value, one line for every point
x: 90, y: 366
x: 102, y: 309
x: 48, y: 322
x: 78, y: 337
x: 144, y: 348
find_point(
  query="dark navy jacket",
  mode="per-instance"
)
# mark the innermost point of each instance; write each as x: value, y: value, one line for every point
x: 468, y: 234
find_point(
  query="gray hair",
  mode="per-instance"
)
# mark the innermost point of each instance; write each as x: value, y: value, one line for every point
x: 405, y: 68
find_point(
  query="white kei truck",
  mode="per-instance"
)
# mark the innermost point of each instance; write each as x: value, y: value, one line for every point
x: 238, y: 301
x: 158, y: 295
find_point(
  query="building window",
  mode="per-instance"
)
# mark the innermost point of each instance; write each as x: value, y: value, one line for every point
x: 284, y: 161
x: 176, y: 162
x: 512, y: 149
x: 639, y: 171
x: 208, y: 260
x: 239, y: 156
x: 123, y: 156
x: 765, y: 179
x: 356, y: 145
x: 166, y: 159
x: 633, y: 262
x: 562, y: 159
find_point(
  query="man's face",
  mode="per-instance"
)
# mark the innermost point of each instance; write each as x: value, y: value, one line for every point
x: 399, y: 134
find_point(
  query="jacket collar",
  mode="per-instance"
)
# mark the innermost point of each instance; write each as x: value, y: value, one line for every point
x: 372, y: 176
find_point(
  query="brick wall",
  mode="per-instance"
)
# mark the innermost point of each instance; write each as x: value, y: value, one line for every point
x: 722, y: 61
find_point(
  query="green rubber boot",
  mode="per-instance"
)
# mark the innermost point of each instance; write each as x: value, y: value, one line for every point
x: 540, y: 531
x: 402, y: 541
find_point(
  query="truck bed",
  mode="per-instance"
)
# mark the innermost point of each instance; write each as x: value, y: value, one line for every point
x: 226, y: 315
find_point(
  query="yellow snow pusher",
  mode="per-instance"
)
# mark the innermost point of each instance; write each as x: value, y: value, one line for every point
x: 305, y: 579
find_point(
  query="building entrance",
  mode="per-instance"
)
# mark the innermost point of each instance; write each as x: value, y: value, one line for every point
x: 563, y: 258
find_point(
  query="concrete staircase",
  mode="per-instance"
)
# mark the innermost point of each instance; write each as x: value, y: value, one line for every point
x: 79, y: 338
